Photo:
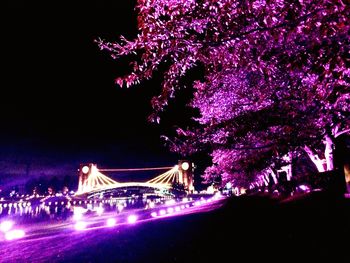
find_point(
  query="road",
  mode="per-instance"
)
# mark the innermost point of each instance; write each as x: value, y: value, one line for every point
x: 122, y: 242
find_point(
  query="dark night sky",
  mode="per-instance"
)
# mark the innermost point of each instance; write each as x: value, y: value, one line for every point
x: 59, y: 105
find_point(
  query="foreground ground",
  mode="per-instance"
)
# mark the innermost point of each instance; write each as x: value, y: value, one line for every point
x: 311, y: 227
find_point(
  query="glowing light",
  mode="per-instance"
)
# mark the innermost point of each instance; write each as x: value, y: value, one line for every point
x: 217, y: 195
x: 182, y: 207
x: 80, y: 225
x: 185, y: 166
x: 97, y: 180
x: 170, y: 202
x: 99, y: 210
x: 85, y: 169
x: 304, y: 188
x: 6, y: 226
x: 151, y: 204
x: 111, y: 222
x: 162, y: 212
x: 120, y: 207
x: 165, y: 178
x: 170, y: 210
x: 154, y: 214
x: 185, y: 199
x: 177, y: 209
x: 78, y: 213
x: 14, y: 234
x: 197, y: 203
x: 187, y: 205
x: 132, y: 219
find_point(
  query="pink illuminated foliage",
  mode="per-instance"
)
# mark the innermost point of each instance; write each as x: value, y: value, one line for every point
x: 276, y: 76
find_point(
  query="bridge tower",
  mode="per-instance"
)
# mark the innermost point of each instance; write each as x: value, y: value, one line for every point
x: 185, y: 175
x: 84, y: 173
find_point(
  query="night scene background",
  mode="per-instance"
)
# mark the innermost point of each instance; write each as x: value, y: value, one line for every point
x: 60, y: 106
x: 262, y: 121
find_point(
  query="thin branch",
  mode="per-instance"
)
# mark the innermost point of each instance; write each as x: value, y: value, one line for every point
x: 340, y: 133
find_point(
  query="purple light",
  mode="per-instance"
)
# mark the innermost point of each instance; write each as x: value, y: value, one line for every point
x: 6, y: 226
x: 132, y: 219
x: 170, y: 202
x: 14, y: 234
x: 304, y: 187
x: 177, y: 209
x: 80, y: 225
x: 154, y: 214
x: 111, y: 222
x: 78, y: 213
x: 170, y: 210
x: 99, y: 210
x: 162, y: 212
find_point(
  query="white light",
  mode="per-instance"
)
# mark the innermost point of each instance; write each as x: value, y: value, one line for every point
x: 177, y: 209
x: 80, y: 225
x: 153, y: 214
x: 14, y: 234
x: 170, y: 210
x: 85, y: 169
x: 6, y: 226
x: 185, y: 199
x: 185, y: 166
x: 78, y: 212
x: 170, y: 202
x: 99, y: 210
x: 132, y: 219
x: 111, y: 222
x: 162, y: 212
x: 120, y: 207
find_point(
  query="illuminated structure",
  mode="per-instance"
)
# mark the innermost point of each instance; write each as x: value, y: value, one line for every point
x: 185, y: 175
x: 91, y: 179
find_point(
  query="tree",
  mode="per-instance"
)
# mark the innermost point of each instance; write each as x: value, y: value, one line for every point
x: 276, y: 77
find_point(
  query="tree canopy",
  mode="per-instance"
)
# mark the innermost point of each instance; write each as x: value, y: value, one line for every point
x: 276, y: 75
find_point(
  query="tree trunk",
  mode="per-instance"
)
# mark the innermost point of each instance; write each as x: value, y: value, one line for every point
x: 315, y: 159
x: 273, y: 175
x: 288, y: 168
x: 329, y: 152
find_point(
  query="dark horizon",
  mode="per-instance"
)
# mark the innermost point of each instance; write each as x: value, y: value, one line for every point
x: 60, y: 106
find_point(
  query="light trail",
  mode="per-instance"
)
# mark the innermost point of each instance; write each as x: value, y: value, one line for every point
x: 111, y: 220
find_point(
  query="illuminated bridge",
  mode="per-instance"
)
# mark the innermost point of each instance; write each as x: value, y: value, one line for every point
x: 92, y: 180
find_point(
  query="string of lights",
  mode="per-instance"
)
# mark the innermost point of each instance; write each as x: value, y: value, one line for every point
x: 98, y: 181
